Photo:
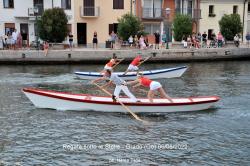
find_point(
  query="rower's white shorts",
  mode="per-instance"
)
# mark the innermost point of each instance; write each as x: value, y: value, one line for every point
x: 155, y: 85
x: 106, y: 67
x: 132, y: 68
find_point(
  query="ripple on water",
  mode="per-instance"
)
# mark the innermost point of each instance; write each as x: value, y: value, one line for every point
x: 219, y: 136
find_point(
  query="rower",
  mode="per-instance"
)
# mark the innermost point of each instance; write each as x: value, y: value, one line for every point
x: 112, y: 62
x: 134, y: 65
x: 152, y: 85
x: 120, y: 85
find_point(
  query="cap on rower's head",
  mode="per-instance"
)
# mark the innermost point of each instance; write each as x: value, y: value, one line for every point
x: 139, y: 74
x: 108, y: 71
x: 114, y: 56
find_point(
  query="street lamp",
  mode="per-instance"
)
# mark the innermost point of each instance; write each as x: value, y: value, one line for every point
x: 168, y: 11
x: 36, y: 10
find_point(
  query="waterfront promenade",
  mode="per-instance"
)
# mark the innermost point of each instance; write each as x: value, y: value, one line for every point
x: 88, y: 55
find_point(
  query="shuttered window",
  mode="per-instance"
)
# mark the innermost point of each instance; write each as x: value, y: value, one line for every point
x: 118, y: 4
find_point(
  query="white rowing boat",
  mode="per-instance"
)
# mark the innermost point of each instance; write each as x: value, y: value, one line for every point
x: 152, y: 74
x: 82, y: 102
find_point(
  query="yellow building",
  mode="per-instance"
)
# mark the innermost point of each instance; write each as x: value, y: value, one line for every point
x: 97, y: 15
x: 213, y: 10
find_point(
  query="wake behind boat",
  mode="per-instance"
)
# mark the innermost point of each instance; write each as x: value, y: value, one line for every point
x: 152, y: 74
x: 83, y: 102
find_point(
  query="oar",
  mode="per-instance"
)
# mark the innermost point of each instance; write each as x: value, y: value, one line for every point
x: 144, y: 60
x: 118, y: 63
x: 123, y: 105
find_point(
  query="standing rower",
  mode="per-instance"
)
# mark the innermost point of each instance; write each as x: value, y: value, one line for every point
x: 152, y: 85
x: 120, y: 85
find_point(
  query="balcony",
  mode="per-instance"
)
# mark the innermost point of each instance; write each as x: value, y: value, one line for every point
x: 152, y: 13
x: 90, y: 11
x: 194, y: 13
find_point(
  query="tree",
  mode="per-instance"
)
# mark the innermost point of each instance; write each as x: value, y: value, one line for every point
x: 182, y: 26
x: 53, y: 25
x: 230, y: 25
x: 128, y: 25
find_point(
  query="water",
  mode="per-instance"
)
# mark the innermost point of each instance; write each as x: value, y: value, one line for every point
x: 219, y: 136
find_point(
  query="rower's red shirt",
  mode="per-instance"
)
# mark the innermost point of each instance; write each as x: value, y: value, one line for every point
x: 145, y: 81
x: 136, y: 61
x: 111, y: 63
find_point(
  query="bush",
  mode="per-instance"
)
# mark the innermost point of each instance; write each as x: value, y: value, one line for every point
x: 128, y: 25
x: 53, y: 25
x: 182, y: 26
x: 230, y: 25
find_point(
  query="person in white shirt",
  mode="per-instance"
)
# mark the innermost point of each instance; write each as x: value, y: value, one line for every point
x: 14, y: 38
x: 130, y: 40
x: 120, y: 85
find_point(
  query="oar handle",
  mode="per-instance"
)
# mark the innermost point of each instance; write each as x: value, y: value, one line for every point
x: 123, y: 105
x: 118, y: 63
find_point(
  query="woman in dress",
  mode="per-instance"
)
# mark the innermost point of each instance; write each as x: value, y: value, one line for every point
x: 95, y: 40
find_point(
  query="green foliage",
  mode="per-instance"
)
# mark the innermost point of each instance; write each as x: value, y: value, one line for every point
x: 53, y: 25
x: 128, y: 25
x: 230, y: 25
x: 182, y: 26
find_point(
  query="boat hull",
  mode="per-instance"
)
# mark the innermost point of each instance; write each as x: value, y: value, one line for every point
x: 79, y: 102
x: 152, y: 74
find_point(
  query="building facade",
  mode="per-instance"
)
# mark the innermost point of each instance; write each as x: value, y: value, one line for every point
x: 100, y: 16
x: 20, y: 15
x: 157, y: 15
x: 214, y: 10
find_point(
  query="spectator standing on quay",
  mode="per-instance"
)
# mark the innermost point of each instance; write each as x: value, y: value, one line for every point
x: 204, y: 39
x: 24, y: 38
x: 9, y: 40
x: 1, y: 42
x: 19, y: 41
x: 142, y: 43
x: 95, y: 40
x: 164, y: 39
x: 14, y: 38
x: 130, y: 40
x: 220, y: 39
x: 46, y: 48
x: 184, y: 41
x: 136, y: 40
x: 157, y: 39
x: 113, y: 37
x: 189, y: 41
x: 248, y: 38
x: 71, y: 41
x: 236, y: 40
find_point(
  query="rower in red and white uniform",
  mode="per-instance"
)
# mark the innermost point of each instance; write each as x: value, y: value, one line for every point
x: 133, y: 66
x: 112, y: 62
x: 153, y: 86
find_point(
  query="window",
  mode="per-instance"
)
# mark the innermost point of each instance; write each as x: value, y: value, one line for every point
x: 235, y: 9
x: 211, y: 11
x: 118, y: 4
x: 9, y: 28
x: 8, y: 3
x: 151, y: 28
x: 66, y: 4
x: 113, y: 27
x: 248, y: 7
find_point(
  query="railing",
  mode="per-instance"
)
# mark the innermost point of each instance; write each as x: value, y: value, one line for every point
x: 90, y: 11
x: 152, y: 13
x: 194, y: 13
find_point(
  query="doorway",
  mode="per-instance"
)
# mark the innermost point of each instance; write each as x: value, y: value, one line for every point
x: 82, y: 33
x: 24, y: 30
